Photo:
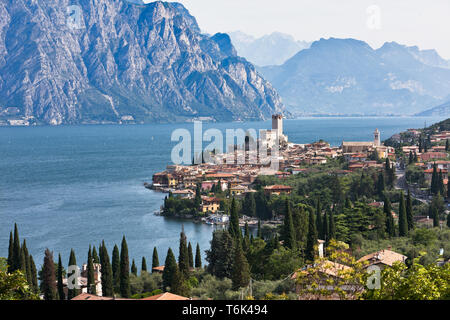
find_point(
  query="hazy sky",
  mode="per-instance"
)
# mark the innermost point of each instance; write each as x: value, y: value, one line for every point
x: 412, y: 22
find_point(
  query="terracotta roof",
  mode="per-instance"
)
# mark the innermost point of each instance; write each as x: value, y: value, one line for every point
x: 278, y: 187
x: 386, y: 257
x: 87, y: 296
x: 166, y: 296
x: 160, y: 268
x: 330, y: 268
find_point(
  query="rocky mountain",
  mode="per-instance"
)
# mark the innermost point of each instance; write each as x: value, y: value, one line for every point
x: 273, y: 49
x: 441, y: 110
x: 96, y: 61
x: 348, y: 77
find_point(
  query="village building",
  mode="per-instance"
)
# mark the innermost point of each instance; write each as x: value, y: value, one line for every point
x: 383, y: 258
x: 211, y: 205
x: 277, y: 190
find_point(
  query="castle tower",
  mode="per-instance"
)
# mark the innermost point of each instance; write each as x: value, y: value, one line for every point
x: 277, y: 124
x: 377, y: 138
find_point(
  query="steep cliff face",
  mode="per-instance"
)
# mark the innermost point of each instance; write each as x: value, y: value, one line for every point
x: 86, y: 61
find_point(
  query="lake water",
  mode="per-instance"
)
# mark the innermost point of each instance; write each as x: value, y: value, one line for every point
x: 71, y: 186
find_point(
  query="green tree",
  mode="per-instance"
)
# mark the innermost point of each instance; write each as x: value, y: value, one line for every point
x: 124, y: 270
x: 241, y: 271
x: 390, y: 228
x: 143, y: 265
x: 14, y: 286
x: 435, y: 218
x: 198, y: 257
x: 233, y: 227
x: 288, y: 234
x: 16, y: 251
x: 191, y: 256
x: 34, y: 280
x: 10, y: 260
x: 170, y: 268
x: 402, y: 219
x: 72, y: 293
x: 61, y: 294
x: 311, y: 242
x: 319, y: 219
x: 249, y: 205
x: 95, y: 255
x: 115, y: 266
x: 381, y: 185
x: 107, y: 272
x: 418, y: 282
x: 220, y: 256
x: 183, y: 257
x: 48, y: 280
x: 134, y: 268
x: 409, y: 212
x: 332, y: 226
x: 155, y: 259
x: 91, y: 287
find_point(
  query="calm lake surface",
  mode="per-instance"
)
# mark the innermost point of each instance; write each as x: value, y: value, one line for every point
x: 71, y: 186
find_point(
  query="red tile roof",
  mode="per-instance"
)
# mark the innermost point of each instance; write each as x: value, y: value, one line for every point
x: 166, y: 296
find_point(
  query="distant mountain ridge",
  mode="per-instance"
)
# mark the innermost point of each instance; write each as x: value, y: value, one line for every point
x: 441, y: 110
x: 272, y: 49
x: 348, y: 77
x: 122, y: 62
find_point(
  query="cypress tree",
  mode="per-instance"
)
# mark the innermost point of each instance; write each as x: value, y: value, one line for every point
x: 115, y: 266
x: 233, y: 227
x: 390, y: 231
x: 198, y: 257
x: 402, y: 220
x: 107, y: 273
x: 198, y: 197
x: 170, y: 268
x: 319, y: 227
x: 183, y: 257
x: 435, y: 217
x: 325, y: 227
x: 434, y: 183
x: 241, y: 271
x: 143, y: 265
x: 311, y: 241
x: 448, y: 220
x: 10, y: 260
x: 26, y: 257
x: 191, y: 256
x: 447, y: 146
x: 249, y: 205
x: 155, y: 259
x: 72, y: 293
x: 16, y: 250
x: 332, y: 226
x: 409, y: 212
x: 380, y: 185
x: 177, y: 285
x: 61, y: 294
x: 23, y: 262
x: 448, y: 187
x: 441, y: 183
x: 91, y: 287
x: 95, y: 255
x: 134, y: 268
x: 124, y: 270
x: 49, y: 277
x: 288, y: 227
x: 34, y: 280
